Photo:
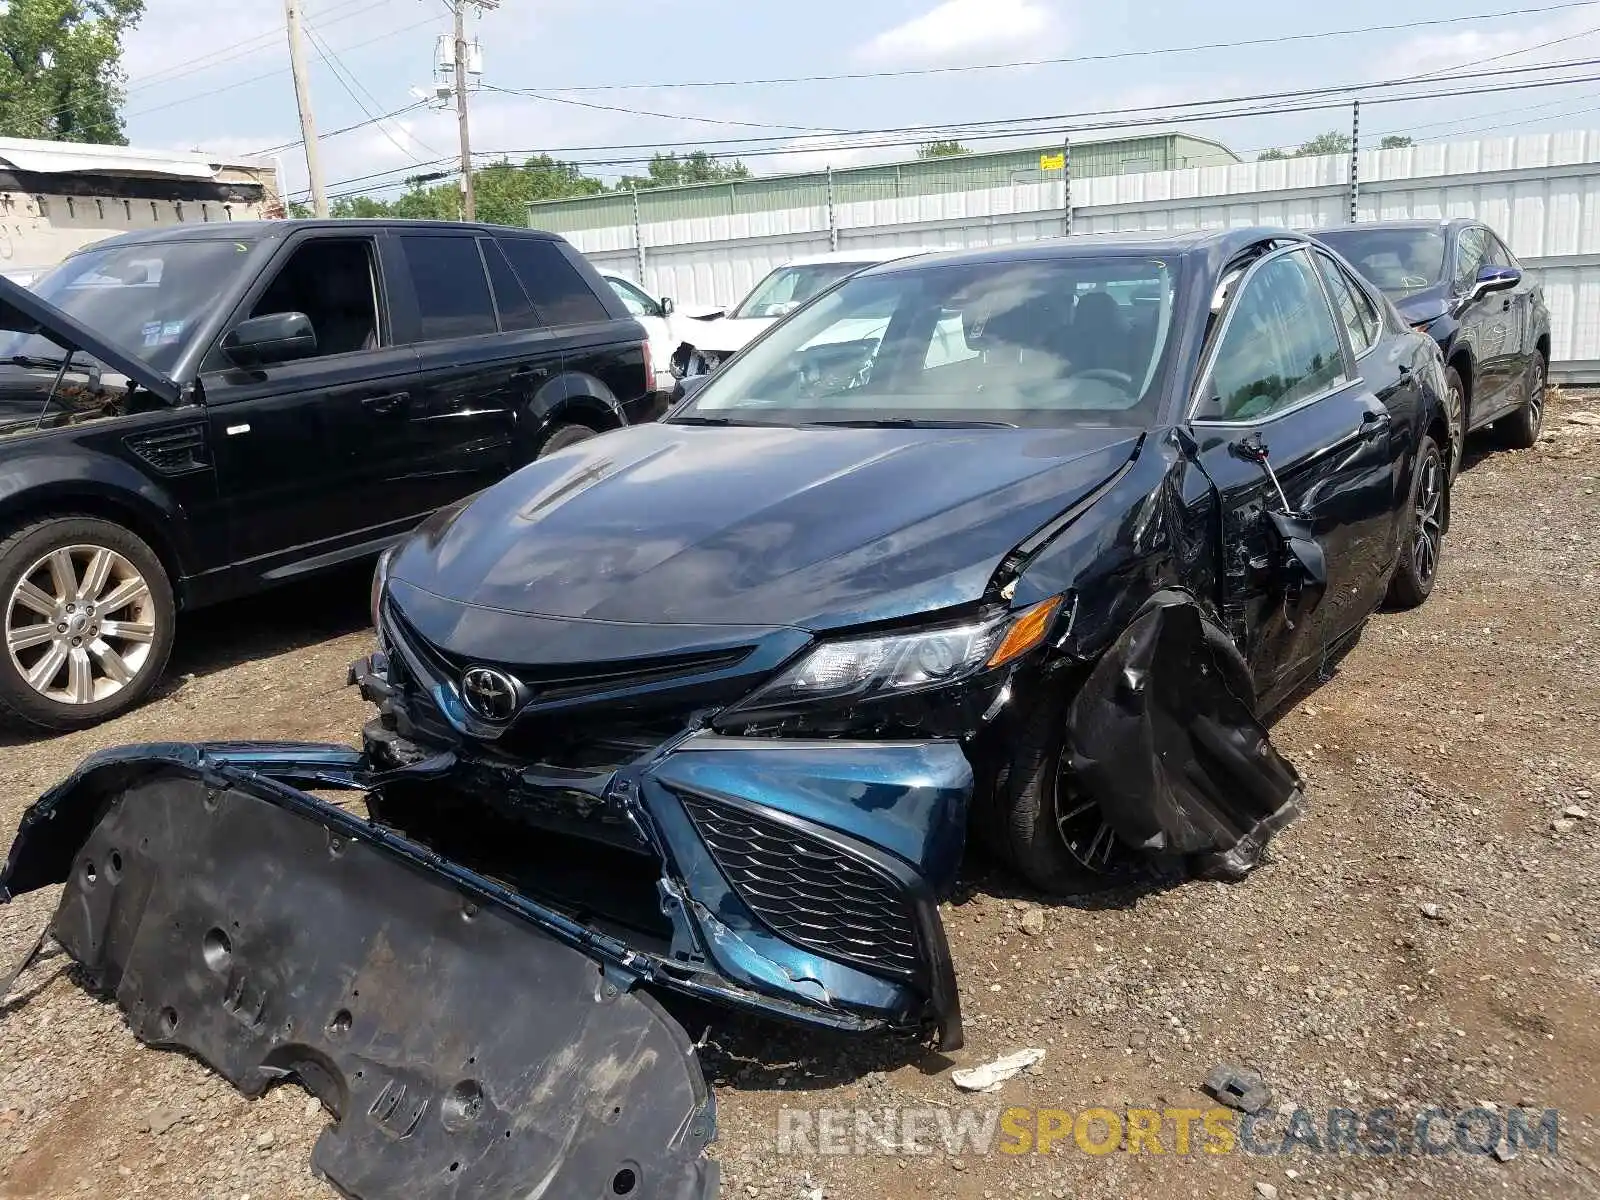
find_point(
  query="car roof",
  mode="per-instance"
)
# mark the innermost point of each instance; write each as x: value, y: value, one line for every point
x: 1216, y: 245
x: 866, y: 255
x: 1444, y: 224
x: 254, y: 230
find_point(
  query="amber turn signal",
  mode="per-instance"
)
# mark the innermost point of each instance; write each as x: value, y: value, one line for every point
x: 1026, y: 632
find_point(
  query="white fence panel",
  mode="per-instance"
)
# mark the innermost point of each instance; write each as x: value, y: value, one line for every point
x: 1541, y: 192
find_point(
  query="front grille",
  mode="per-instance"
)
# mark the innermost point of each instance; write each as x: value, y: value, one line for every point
x: 809, y: 891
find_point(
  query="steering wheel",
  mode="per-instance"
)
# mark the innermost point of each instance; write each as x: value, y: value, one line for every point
x: 1107, y: 375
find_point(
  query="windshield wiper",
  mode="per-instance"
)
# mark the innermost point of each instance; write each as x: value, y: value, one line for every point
x: 38, y: 362
x: 692, y: 420
x: 911, y: 423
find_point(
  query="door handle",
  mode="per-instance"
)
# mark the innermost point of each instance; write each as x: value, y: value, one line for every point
x: 385, y: 405
x: 523, y: 373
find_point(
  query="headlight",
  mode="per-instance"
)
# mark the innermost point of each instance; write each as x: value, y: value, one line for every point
x: 905, y: 663
x: 380, y: 580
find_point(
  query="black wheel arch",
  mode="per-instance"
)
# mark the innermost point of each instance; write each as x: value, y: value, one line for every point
x: 149, y: 514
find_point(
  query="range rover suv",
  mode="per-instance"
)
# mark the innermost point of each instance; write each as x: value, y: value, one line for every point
x: 191, y: 414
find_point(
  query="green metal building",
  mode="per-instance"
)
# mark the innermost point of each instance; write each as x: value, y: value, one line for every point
x: 886, y: 181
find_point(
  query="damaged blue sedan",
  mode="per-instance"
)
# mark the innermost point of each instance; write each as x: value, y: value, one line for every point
x: 1022, y: 543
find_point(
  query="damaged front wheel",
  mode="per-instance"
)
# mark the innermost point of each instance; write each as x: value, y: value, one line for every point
x: 1043, y: 827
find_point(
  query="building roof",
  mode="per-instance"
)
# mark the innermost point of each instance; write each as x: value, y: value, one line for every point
x: 79, y: 158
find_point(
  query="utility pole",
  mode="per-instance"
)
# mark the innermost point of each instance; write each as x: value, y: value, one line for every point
x: 302, y: 96
x: 469, y: 206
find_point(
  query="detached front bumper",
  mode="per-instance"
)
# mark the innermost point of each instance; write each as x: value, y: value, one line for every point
x: 468, y: 1043
x: 799, y: 878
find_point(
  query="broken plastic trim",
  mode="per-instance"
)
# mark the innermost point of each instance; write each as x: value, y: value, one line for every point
x: 1163, y: 735
x: 462, y: 1050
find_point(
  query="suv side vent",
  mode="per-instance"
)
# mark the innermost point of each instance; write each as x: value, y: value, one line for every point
x: 173, y: 451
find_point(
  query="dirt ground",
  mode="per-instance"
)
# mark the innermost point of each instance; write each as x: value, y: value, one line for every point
x: 1426, y: 935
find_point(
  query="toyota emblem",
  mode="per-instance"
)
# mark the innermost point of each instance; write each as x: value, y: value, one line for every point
x: 490, y: 694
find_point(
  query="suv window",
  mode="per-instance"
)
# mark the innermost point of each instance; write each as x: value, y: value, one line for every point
x: 1353, y: 305
x: 1280, y: 346
x: 452, y: 290
x: 509, y: 298
x: 1471, y: 255
x: 635, y: 301
x: 559, y: 294
x: 334, y: 283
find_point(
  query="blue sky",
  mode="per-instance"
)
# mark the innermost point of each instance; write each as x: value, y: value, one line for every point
x: 213, y: 74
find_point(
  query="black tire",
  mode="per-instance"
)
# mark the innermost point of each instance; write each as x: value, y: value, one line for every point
x: 1455, y: 402
x: 147, y: 623
x: 1418, y: 566
x: 564, y: 435
x: 1021, y: 828
x: 1521, y: 429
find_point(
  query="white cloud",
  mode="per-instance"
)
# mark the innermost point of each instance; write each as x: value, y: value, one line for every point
x: 1513, y: 46
x: 959, y: 28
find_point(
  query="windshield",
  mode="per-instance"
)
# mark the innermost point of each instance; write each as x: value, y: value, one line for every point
x: 1041, y: 342
x: 1399, y: 261
x: 145, y: 298
x: 787, y: 288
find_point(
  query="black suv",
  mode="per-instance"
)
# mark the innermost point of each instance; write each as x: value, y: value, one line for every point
x: 1457, y: 281
x: 191, y: 414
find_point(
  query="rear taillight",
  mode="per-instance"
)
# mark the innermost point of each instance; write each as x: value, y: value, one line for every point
x: 649, y: 371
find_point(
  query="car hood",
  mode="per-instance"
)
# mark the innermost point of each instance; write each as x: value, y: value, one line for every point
x: 1424, y: 307
x: 22, y: 311
x: 725, y: 335
x: 809, y: 528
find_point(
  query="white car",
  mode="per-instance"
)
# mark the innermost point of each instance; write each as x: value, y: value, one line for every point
x: 707, y: 341
x: 660, y: 325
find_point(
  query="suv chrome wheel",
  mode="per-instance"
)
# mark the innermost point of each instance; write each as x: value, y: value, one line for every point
x: 80, y: 624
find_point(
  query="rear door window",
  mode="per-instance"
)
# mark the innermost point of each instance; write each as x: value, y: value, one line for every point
x: 559, y: 293
x: 1354, y: 306
x: 452, y: 291
x: 512, y: 302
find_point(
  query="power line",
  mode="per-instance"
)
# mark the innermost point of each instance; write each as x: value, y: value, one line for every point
x: 273, y: 74
x: 529, y: 94
x: 1313, y: 101
x: 351, y: 128
x: 340, y: 73
x: 1081, y: 58
x: 1021, y: 126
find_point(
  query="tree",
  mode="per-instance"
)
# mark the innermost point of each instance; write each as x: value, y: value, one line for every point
x: 61, y: 75
x: 1332, y: 142
x: 1395, y: 141
x: 668, y: 170
x: 941, y: 149
x: 504, y: 190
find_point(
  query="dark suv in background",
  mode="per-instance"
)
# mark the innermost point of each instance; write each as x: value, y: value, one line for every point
x: 1456, y: 280
x: 195, y: 413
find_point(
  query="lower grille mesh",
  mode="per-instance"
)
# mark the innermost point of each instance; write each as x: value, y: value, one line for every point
x: 807, y: 891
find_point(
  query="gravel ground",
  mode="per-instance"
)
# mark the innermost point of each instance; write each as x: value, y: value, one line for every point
x: 1425, y: 935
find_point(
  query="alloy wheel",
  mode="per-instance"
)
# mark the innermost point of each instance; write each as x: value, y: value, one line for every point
x: 1536, y: 395
x: 1456, y: 406
x: 1088, y: 837
x: 1429, y: 528
x: 80, y: 624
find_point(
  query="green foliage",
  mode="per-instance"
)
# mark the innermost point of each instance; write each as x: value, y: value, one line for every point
x: 668, y: 170
x: 1332, y: 142
x: 1395, y: 141
x: 941, y: 149
x: 61, y: 75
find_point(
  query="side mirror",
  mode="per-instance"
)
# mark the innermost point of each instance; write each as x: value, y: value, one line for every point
x: 274, y: 337
x: 667, y: 306
x: 1495, y: 279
